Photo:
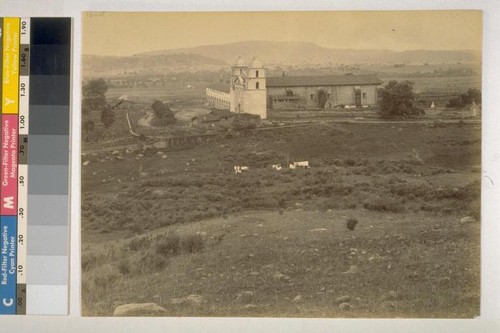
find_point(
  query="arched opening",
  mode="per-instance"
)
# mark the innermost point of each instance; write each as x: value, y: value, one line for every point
x: 257, y: 73
x: 322, y: 98
x: 257, y: 85
x: 269, y: 102
x: 357, y: 97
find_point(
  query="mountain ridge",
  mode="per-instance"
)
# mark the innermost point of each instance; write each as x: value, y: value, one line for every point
x: 288, y: 52
x: 218, y: 56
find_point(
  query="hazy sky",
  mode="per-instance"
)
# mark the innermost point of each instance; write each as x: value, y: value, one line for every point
x: 112, y: 33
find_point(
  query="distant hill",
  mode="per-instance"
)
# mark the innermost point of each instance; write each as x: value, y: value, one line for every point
x: 98, y: 64
x: 212, y: 57
x: 310, y: 53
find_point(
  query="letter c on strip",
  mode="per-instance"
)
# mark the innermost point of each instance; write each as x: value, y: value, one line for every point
x: 8, y: 301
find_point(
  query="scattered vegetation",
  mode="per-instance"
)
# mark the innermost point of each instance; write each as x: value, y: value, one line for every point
x: 465, y: 99
x: 272, y: 232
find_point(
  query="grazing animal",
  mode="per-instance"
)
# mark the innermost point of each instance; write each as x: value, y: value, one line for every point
x: 240, y: 169
x: 351, y: 223
x: 301, y: 164
x: 276, y: 166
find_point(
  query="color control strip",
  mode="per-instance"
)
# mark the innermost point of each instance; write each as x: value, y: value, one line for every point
x: 35, y: 165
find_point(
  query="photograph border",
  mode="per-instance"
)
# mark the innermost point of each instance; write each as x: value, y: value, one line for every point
x: 490, y: 250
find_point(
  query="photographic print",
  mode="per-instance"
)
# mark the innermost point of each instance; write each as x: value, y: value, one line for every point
x: 281, y: 164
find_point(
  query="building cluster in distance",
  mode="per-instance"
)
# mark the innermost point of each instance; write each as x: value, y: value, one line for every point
x: 250, y: 91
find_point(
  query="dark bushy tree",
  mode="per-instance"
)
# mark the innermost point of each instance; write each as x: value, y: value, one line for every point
x: 107, y: 116
x: 465, y: 99
x: 455, y: 102
x: 397, y: 99
x: 88, y: 128
x: 93, y: 99
x: 93, y: 95
x: 472, y: 95
x: 164, y: 115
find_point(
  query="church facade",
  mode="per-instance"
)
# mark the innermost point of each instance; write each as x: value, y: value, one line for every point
x: 250, y: 91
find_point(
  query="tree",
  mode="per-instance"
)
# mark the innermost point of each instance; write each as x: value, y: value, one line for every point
x: 164, y: 115
x: 465, y: 99
x: 322, y: 98
x: 473, y: 95
x: 455, y: 102
x: 93, y: 95
x: 107, y: 116
x: 88, y: 128
x: 94, y: 99
x: 397, y: 99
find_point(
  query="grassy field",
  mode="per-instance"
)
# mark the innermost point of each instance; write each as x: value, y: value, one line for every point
x: 180, y: 229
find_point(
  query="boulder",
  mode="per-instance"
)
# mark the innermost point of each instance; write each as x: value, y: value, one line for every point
x: 191, y: 299
x: 388, y: 305
x: 345, y: 306
x: 352, y: 270
x: 160, y: 144
x: 467, y: 219
x: 343, y: 299
x: 390, y: 296
x: 318, y: 230
x: 281, y: 277
x: 244, y: 297
x: 139, y: 310
x: 195, y: 299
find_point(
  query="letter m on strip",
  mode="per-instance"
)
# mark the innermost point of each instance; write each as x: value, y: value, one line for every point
x: 8, y: 202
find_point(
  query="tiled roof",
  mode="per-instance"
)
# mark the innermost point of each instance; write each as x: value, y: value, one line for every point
x: 338, y: 80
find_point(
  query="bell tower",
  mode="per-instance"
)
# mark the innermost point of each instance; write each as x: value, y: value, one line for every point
x: 248, y: 88
x: 237, y: 85
x: 255, y: 92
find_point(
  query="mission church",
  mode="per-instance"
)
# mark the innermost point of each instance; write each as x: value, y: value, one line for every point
x: 250, y: 91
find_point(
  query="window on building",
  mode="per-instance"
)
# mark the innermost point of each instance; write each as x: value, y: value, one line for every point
x: 364, y: 95
x: 241, y: 71
x: 312, y: 96
x: 256, y: 73
x: 257, y: 85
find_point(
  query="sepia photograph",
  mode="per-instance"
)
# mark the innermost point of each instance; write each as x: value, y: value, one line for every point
x: 312, y: 164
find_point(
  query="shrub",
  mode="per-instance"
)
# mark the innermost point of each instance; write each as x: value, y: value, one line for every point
x: 168, y: 246
x: 386, y: 204
x: 351, y: 223
x: 193, y: 243
x: 104, y: 279
x: 136, y: 243
x: 89, y: 261
x: 124, y: 267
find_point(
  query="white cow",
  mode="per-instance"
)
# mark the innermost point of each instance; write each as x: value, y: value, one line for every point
x: 240, y: 168
x: 301, y: 164
x: 276, y: 166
